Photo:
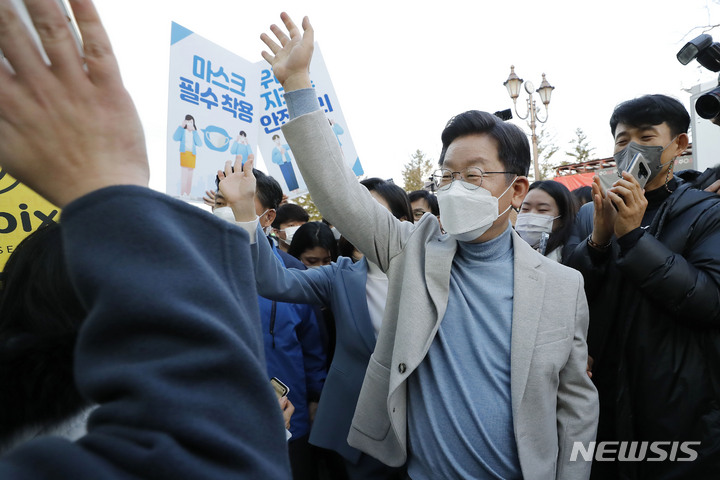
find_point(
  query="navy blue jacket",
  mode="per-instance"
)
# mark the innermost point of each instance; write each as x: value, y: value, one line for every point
x: 171, y: 349
x: 294, y: 350
x: 341, y: 287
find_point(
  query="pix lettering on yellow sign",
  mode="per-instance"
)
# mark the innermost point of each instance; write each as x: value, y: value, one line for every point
x: 22, y: 211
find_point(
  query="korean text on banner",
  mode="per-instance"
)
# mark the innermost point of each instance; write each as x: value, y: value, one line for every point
x: 272, y: 109
x: 212, y: 116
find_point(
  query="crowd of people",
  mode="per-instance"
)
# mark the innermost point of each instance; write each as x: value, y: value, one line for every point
x: 491, y: 328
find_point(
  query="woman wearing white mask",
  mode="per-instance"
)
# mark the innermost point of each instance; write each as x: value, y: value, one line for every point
x: 355, y: 291
x: 546, y: 217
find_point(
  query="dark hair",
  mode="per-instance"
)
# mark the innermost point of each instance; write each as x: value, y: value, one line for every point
x: 566, y: 210
x: 242, y: 132
x: 345, y: 248
x: 512, y: 144
x: 190, y: 117
x: 40, y: 317
x: 582, y: 195
x: 290, y: 212
x: 651, y: 110
x: 267, y: 189
x: 36, y: 294
x: 428, y: 197
x: 395, y: 197
x: 311, y: 235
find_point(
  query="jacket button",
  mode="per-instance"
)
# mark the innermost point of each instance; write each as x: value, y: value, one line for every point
x: 402, y: 368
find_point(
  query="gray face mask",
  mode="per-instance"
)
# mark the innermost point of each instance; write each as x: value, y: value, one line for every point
x: 651, y: 153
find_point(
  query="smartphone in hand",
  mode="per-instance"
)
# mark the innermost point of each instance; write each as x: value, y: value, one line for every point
x: 281, y: 390
x: 608, y: 177
x: 639, y: 169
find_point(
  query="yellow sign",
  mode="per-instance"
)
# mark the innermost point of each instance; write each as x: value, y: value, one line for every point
x: 22, y: 211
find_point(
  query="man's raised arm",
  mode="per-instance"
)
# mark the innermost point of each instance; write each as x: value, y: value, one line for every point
x: 334, y: 189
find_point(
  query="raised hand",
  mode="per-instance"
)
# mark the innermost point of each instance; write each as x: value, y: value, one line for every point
x: 66, y: 130
x: 287, y: 410
x: 629, y: 198
x: 290, y: 59
x: 209, y: 198
x: 603, y: 216
x: 238, y: 189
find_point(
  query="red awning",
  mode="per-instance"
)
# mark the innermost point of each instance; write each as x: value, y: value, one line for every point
x: 575, y: 181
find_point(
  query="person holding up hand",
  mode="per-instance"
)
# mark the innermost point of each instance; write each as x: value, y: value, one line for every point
x: 170, y: 350
x: 479, y: 370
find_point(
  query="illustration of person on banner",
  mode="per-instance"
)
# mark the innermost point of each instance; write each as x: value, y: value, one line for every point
x: 281, y: 157
x: 241, y: 148
x: 189, y: 138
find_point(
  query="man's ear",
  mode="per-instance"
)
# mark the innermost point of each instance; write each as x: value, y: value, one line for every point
x: 519, y: 190
x: 269, y: 218
x: 683, y: 141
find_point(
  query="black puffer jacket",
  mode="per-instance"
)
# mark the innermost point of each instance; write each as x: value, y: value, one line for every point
x: 655, y: 329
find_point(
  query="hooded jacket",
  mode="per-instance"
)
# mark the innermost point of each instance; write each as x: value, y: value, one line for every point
x: 293, y: 350
x: 654, y: 332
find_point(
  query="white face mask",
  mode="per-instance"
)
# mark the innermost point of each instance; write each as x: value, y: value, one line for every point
x: 225, y: 213
x: 289, y: 234
x: 467, y: 214
x: 531, y: 226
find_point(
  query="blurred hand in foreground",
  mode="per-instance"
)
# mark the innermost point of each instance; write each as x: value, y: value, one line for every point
x: 69, y: 128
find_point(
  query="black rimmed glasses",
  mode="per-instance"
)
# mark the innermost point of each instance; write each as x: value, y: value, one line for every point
x: 472, y: 177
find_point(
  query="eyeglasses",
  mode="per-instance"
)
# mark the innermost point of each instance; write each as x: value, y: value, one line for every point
x: 472, y: 177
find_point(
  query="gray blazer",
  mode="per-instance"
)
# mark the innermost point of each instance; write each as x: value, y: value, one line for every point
x: 554, y: 403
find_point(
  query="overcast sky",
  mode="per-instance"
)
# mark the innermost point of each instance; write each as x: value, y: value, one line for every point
x: 401, y: 69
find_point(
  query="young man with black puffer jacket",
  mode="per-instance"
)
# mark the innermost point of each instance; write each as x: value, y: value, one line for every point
x: 651, y: 262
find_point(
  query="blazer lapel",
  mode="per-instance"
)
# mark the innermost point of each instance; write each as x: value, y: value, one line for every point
x: 439, y: 255
x: 529, y: 291
x: 413, y: 336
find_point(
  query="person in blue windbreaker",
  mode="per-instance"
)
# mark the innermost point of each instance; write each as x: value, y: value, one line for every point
x: 355, y: 290
x: 294, y: 349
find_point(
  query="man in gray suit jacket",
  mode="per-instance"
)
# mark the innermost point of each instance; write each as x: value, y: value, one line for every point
x: 479, y: 370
